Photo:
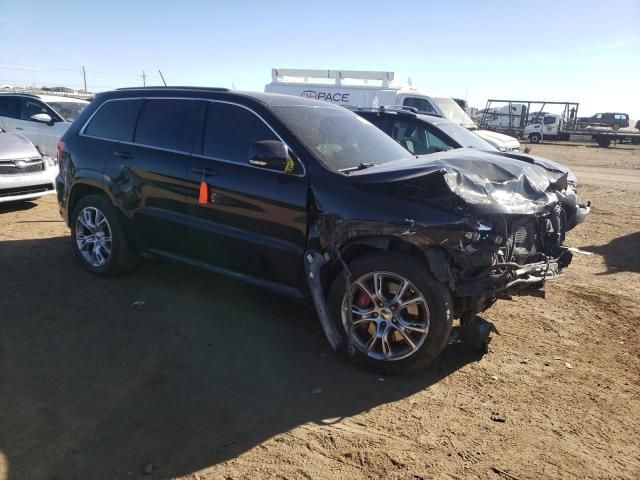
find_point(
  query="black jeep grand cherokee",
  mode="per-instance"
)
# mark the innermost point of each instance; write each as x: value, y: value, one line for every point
x: 310, y: 200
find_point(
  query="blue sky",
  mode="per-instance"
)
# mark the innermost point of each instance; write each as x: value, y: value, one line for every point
x: 587, y: 51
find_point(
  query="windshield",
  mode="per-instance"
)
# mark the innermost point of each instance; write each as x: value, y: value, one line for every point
x: 68, y: 110
x: 452, y: 111
x: 340, y: 138
x: 464, y: 137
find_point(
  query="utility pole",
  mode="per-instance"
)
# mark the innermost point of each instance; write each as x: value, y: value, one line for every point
x: 84, y: 78
x: 144, y: 79
x: 162, y: 77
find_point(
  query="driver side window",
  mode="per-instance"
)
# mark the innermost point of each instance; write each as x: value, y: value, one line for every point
x: 33, y: 107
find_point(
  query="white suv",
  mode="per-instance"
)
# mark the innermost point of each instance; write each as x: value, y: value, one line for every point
x: 24, y: 173
x: 43, y: 119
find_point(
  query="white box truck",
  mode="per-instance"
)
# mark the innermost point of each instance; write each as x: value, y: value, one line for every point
x: 369, y: 89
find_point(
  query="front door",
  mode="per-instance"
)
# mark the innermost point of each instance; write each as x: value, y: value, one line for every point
x: 44, y: 136
x: 254, y: 220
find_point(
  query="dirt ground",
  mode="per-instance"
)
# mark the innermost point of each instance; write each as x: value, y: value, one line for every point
x: 214, y: 379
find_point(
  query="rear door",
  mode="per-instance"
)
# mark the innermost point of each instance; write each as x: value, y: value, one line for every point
x: 145, y: 146
x: 154, y: 165
x: 254, y: 220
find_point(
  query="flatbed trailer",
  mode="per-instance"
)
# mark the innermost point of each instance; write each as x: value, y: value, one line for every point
x: 604, y: 139
x: 518, y: 118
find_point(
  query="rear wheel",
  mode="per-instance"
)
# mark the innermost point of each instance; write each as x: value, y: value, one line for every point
x: 616, y: 126
x: 400, y: 315
x: 535, y: 138
x: 603, y: 142
x: 98, y: 237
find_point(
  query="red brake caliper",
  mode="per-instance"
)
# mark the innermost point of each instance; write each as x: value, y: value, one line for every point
x: 363, y: 300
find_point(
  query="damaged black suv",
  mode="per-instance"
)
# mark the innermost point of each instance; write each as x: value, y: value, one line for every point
x: 310, y: 200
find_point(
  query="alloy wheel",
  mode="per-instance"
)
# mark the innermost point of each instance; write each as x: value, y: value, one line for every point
x: 93, y: 236
x: 389, y: 316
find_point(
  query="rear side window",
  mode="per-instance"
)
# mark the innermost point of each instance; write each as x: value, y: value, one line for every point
x: 230, y: 130
x: 170, y: 124
x: 115, y: 120
x: 9, y: 107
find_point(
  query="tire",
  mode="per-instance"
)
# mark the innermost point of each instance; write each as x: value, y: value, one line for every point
x: 616, y: 126
x: 116, y: 255
x: 603, y: 142
x: 535, y: 138
x: 635, y: 140
x: 434, y: 313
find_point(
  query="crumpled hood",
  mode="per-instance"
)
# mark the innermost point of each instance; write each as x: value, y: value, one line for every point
x: 490, y: 183
x: 14, y: 146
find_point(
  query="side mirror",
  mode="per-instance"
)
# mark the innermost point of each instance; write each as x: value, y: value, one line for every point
x: 272, y: 155
x: 42, y: 118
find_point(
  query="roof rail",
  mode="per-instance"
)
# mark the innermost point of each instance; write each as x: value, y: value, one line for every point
x: 338, y: 75
x: 169, y: 87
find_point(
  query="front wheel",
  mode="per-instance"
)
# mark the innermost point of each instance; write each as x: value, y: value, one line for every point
x: 400, y: 315
x: 535, y: 138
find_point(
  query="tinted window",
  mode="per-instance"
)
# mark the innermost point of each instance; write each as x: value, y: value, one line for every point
x: 9, y: 107
x: 549, y: 120
x: 230, y: 130
x: 115, y: 120
x: 420, y: 104
x: 171, y: 124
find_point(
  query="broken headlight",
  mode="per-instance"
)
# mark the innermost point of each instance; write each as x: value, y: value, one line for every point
x: 483, y: 231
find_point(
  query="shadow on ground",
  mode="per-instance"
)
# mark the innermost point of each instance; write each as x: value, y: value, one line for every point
x: 621, y: 254
x: 16, y: 206
x: 91, y: 387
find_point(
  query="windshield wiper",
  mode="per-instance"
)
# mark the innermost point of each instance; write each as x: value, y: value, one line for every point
x: 362, y: 166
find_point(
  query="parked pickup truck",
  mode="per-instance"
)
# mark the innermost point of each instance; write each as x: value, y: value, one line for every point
x: 309, y: 200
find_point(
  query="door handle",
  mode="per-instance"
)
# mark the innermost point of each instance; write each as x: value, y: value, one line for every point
x: 204, y: 171
x: 123, y: 155
x: 19, y: 128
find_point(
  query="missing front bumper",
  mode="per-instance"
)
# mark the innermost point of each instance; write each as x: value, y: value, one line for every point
x: 515, y: 279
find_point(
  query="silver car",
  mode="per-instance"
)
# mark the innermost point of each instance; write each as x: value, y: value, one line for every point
x: 25, y: 173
